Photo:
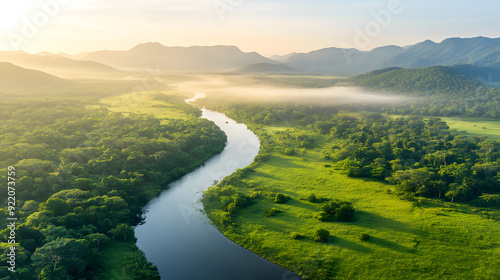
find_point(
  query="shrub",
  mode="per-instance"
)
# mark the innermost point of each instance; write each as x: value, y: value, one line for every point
x: 272, y: 212
x: 364, y: 237
x: 289, y: 151
x: 254, y: 195
x: 321, y: 235
x: 336, y: 211
x: 296, y: 235
x: 312, y: 198
x: 280, y: 198
x: 345, y: 213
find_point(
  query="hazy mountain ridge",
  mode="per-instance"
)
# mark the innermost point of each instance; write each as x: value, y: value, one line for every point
x: 282, y: 58
x: 479, y: 51
x: 13, y: 77
x: 55, y: 64
x: 270, y: 68
x: 196, y: 58
x: 340, y: 61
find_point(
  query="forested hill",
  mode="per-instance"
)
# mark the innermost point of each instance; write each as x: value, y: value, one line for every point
x: 434, y: 80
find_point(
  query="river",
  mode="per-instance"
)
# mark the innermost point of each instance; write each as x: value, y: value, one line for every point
x: 179, y: 239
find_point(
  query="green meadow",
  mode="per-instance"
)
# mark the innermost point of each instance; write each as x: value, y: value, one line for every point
x: 161, y: 104
x: 424, y: 239
x: 475, y: 126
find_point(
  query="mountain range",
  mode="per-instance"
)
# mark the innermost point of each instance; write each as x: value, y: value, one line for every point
x: 478, y: 51
x: 196, y: 58
x: 471, y: 52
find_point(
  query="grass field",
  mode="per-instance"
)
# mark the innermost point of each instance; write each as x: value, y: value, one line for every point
x: 428, y: 239
x: 476, y: 126
x: 147, y: 103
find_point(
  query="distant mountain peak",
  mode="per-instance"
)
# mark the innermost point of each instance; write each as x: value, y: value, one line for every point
x: 148, y: 46
x: 45, y: 53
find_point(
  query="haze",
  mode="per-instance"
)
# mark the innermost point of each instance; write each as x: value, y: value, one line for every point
x: 227, y: 90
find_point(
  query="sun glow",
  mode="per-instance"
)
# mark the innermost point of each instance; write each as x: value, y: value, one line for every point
x: 12, y: 13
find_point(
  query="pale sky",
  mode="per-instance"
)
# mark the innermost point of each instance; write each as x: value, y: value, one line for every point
x: 265, y: 26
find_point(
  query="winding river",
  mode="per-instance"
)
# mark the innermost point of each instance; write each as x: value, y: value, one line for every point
x: 179, y: 239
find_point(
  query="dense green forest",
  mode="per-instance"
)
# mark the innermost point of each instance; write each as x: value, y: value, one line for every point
x: 83, y: 175
x: 434, y: 80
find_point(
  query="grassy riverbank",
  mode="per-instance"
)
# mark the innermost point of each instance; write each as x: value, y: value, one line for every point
x: 421, y: 239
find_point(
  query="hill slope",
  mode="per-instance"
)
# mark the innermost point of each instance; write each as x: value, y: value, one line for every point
x: 57, y: 65
x: 13, y: 77
x: 156, y: 55
x: 485, y: 75
x: 420, y: 81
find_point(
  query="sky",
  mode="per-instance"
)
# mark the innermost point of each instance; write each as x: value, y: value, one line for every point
x: 269, y: 27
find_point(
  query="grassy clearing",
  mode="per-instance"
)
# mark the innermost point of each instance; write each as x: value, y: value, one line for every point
x: 428, y: 239
x: 476, y: 126
x: 148, y: 103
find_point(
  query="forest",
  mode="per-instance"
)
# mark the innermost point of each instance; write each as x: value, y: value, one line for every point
x: 82, y: 176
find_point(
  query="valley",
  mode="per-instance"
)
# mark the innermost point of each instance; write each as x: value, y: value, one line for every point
x: 310, y: 167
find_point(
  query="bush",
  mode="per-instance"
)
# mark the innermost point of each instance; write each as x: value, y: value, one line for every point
x: 272, y: 212
x: 364, y: 237
x: 280, y: 198
x: 289, y: 152
x: 321, y: 235
x: 312, y: 198
x: 336, y: 211
x: 296, y: 235
x: 254, y: 195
